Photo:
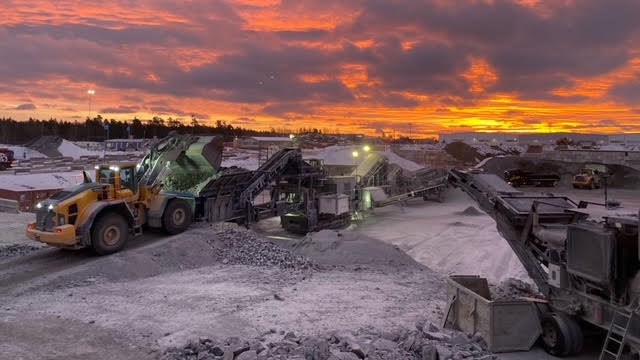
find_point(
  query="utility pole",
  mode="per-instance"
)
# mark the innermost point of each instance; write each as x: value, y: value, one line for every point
x: 90, y: 92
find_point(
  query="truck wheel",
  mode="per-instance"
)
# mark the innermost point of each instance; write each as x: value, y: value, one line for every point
x: 561, y: 335
x: 177, y: 217
x: 575, y: 331
x: 109, y: 234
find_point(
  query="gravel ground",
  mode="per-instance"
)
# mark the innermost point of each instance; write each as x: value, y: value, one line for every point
x: 166, y: 292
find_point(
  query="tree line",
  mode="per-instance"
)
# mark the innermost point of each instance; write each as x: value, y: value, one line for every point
x: 98, y: 129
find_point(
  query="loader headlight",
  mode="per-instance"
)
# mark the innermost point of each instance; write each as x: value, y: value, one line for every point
x: 50, y: 207
x: 114, y: 168
x: 39, y: 205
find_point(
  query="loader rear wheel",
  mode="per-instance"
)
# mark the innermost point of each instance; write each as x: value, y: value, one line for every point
x: 109, y: 234
x: 561, y: 335
x: 177, y: 217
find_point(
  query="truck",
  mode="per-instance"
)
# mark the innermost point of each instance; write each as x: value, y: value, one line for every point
x: 587, y: 178
x: 519, y: 177
x: 582, y: 256
x: 6, y: 158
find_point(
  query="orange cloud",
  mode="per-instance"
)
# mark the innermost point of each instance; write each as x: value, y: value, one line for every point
x: 480, y: 76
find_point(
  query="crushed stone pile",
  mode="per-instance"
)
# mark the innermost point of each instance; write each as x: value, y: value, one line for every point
x: 425, y: 342
x: 47, y: 145
x: 512, y: 289
x: 236, y: 246
x: 470, y: 211
x: 17, y: 250
x: 346, y: 248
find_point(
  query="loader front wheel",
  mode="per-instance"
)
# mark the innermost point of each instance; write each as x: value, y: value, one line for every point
x: 177, y: 217
x: 109, y: 234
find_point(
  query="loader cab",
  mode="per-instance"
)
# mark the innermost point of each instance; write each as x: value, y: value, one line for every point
x: 122, y: 177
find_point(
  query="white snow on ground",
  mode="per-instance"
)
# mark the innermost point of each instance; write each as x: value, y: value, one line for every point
x: 22, y: 153
x: 400, y: 161
x: 343, y: 155
x: 442, y: 238
x: 40, y: 181
x: 67, y: 148
x: 333, y: 155
x: 243, y: 159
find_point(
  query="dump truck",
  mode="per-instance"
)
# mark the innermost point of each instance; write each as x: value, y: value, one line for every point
x: 124, y: 198
x: 520, y: 177
x: 582, y: 256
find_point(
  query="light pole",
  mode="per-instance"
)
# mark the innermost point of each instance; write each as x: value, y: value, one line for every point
x: 90, y: 92
x: 355, y: 155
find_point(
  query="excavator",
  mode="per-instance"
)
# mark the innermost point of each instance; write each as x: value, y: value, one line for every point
x: 124, y: 198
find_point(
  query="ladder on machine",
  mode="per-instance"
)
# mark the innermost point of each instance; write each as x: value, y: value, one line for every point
x: 617, y: 334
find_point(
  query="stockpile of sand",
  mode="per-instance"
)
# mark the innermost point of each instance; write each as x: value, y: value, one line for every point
x: 346, y: 247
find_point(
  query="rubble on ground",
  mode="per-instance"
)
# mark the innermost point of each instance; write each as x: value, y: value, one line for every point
x: 512, y: 289
x: 425, y: 342
x: 236, y: 246
x: 17, y: 250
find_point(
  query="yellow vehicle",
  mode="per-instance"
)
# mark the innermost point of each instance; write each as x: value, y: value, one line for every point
x: 105, y: 213
x: 587, y: 179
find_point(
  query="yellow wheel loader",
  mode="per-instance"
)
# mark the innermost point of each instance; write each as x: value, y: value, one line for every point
x: 123, y: 198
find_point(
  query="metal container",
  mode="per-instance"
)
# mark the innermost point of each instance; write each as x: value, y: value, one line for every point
x: 506, y: 326
x: 334, y: 204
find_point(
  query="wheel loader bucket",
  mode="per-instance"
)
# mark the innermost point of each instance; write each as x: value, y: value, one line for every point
x: 200, y: 162
x: 506, y: 326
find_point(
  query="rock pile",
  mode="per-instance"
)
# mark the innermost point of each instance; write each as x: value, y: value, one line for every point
x: 237, y: 246
x: 471, y: 211
x: 17, y: 250
x: 511, y: 289
x: 426, y: 342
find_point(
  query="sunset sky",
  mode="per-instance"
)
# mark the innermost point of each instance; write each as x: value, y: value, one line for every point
x: 365, y: 66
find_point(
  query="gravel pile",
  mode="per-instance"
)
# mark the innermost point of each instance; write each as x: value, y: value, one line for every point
x: 237, y: 246
x: 512, y: 289
x: 17, y: 250
x: 426, y: 342
x: 471, y: 211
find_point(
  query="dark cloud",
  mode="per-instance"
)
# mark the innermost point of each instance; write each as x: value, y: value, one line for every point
x: 426, y: 68
x: 628, y: 93
x: 167, y: 110
x: 243, y: 121
x: 27, y: 106
x: 122, y: 109
x: 307, y: 35
x: 129, y: 35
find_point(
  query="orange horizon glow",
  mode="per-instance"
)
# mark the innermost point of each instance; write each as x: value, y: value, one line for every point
x: 339, y: 67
